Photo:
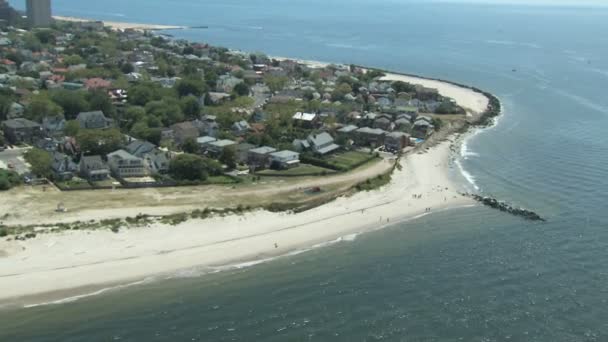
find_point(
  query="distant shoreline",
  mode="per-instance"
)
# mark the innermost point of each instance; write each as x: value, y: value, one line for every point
x: 116, y: 25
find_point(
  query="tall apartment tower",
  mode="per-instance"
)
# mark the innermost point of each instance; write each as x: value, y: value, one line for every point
x: 39, y: 12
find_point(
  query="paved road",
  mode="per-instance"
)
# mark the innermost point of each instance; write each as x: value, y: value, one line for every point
x: 14, y: 156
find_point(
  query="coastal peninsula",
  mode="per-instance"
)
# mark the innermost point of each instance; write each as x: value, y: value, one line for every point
x: 179, y: 155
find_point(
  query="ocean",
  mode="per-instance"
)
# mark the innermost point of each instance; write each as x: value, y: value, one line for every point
x: 470, y: 274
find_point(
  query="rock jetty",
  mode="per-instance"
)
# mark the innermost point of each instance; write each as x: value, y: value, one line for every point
x: 504, y: 207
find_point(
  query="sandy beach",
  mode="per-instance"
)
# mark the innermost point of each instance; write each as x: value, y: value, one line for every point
x: 74, y: 262
x: 123, y: 26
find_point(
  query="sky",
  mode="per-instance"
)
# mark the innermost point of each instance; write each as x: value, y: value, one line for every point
x: 600, y: 3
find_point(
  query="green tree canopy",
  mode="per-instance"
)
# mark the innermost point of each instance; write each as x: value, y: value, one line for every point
x: 241, y: 89
x: 228, y: 157
x: 93, y: 141
x: 40, y: 161
x: 188, y: 167
x: 72, y: 102
x: 190, y: 86
x: 8, y: 179
x: 41, y: 106
x: 141, y: 130
x: 190, y: 107
x: 71, y: 128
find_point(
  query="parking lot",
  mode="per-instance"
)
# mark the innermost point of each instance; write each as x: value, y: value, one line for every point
x: 14, y: 157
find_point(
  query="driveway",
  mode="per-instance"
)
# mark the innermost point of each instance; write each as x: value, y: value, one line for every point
x: 14, y: 157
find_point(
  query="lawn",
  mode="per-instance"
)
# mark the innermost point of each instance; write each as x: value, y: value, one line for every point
x: 302, y: 170
x: 108, y: 183
x: 350, y: 160
x: 75, y: 184
x: 220, y: 180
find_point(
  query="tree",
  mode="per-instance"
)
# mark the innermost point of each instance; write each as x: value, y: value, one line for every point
x: 71, y: 128
x: 45, y: 36
x: 72, y: 102
x: 188, y: 167
x: 241, y: 89
x: 131, y: 116
x: 141, y: 130
x: 127, y: 68
x: 228, y: 157
x: 143, y: 92
x: 190, y: 107
x: 99, y: 100
x: 93, y: 141
x: 168, y: 111
x: 41, y: 106
x: 40, y: 161
x: 73, y: 60
x: 7, y: 97
x: 190, y: 86
x: 403, y: 87
x: 341, y: 90
x: 190, y: 146
x: 8, y: 179
x: 275, y: 83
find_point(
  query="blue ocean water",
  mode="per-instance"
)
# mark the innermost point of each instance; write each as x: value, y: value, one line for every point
x: 464, y: 275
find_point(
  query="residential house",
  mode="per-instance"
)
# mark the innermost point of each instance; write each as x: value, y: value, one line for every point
x: 382, y: 123
x: 93, y: 168
x: 47, y: 144
x: 240, y: 128
x: 94, y: 120
x: 140, y: 148
x: 322, y: 143
x: 216, y: 148
x: 259, y: 158
x: 403, y: 125
x: 226, y: 83
x: 124, y: 165
x: 396, y: 141
x: 63, y: 167
x: 97, y: 83
x: 185, y: 130
x: 203, y: 142
x: 217, y: 98
x: 347, y: 131
x: 157, y: 161
x: 284, y: 159
x: 53, y: 126
x: 422, y: 129
x: 242, y: 152
x: 16, y: 110
x: 308, y: 120
x: 21, y: 130
x: 370, y: 136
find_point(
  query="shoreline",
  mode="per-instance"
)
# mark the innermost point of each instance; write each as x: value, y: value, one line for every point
x: 117, y: 25
x: 48, y: 268
x: 66, y: 262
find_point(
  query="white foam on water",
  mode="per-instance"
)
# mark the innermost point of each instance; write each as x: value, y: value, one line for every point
x: 91, y: 294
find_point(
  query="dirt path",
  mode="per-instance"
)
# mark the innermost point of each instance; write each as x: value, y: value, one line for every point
x: 31, y: 205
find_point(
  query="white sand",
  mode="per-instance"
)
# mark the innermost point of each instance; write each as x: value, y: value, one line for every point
x: 71, y: 260
x: 466, y: 98
x: 122, y: 26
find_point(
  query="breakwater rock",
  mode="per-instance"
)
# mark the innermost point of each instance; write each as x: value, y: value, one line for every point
x: 505, y: 207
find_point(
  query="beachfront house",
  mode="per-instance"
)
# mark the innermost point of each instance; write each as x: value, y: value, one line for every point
x: 367, y: 136
x: 422, y: 129
x: 322, y: 143
x: 124, y: 165
x: 396, y: 141
x: 139, y: 148
x: 259, y: 158
x: 63, y: 167
x: 216, y: 148
x: 93, y: 168
x: 157, y: 161
x: 284, y: 160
